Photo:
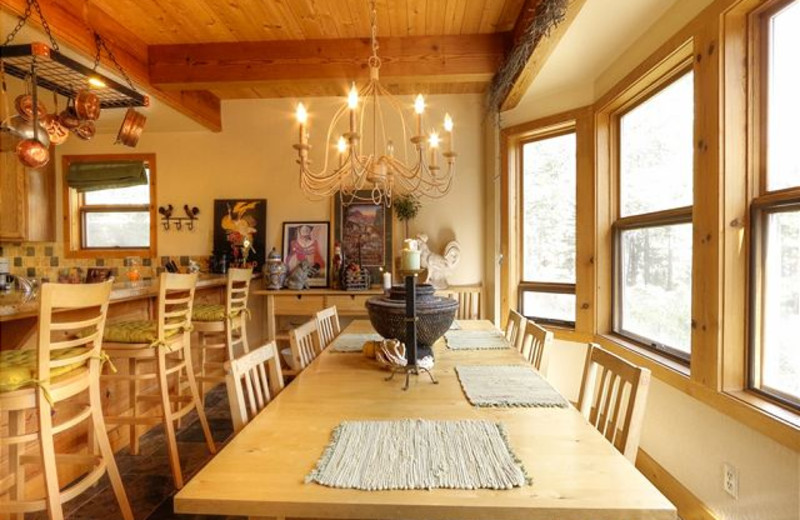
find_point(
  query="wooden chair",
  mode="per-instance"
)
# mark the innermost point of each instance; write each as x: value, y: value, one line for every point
x: 514, y: 327
x: 164, y: 343
x: 221, y: 330
x: 305, y: 345
x: 66, y: 363
x: 328, y: 326
x: 615, y: 403
x: 536, y: 344
x: 470, y: 301
x: 253, y: 380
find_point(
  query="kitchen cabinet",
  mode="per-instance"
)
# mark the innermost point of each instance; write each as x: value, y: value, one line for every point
x: 27, y: 201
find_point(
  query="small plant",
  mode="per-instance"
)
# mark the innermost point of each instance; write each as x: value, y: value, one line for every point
x: 406, y: 207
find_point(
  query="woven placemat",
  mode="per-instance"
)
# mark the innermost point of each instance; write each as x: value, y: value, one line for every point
x: 508, y: 386
x: 353, y: 342
x: 419, y: 454
x: 475, y: 340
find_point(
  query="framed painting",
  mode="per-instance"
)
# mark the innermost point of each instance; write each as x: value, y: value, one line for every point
x: 240, y: 231
x: 309, y: 242
x: 365, y: 232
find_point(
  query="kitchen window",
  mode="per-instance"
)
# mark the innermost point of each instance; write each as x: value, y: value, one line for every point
x: 653, y: 231
x: 547, y: 289
x: 775, y: 211
x: 111, y: 201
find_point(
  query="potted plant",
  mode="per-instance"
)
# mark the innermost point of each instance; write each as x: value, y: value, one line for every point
x: 406, y: 207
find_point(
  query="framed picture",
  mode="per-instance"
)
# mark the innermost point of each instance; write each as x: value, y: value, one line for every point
x: 365, y: 232
x: 240, y: 231
x: 308, y: 241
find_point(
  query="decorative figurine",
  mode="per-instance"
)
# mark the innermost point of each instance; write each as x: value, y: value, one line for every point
x: 438, y: 266
x: 298, y: 278
x: 274, y: 270
x: 338, y: 262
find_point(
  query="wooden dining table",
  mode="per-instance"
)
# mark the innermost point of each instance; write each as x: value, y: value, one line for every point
x: 576, y: 474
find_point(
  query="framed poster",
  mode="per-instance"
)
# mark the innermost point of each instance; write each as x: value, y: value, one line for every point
x: 240, y: 231
x: 308, y: 241
x: 365, y: 232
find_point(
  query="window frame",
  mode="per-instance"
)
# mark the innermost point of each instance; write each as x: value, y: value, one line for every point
x: 75, y: 211
x: 525, y: 286
x: 655, y: 219
x: 763, y: 202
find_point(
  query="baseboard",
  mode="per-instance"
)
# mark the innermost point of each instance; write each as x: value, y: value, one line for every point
x: 689, y: 506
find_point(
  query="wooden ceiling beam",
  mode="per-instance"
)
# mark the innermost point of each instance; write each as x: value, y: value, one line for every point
x: 440, y: 59
x: 73, y: 27
x: 538, y: 54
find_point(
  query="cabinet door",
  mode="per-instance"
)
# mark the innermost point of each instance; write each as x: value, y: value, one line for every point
x: 27, y: 201
x: 13, y: 207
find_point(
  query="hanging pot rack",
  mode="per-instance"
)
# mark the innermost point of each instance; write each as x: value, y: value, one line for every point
x: 61, y: 74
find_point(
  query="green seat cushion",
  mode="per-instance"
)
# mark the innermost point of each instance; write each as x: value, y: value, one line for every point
x: 210, y: 312
x: 18, y: 367
x: 140, y: 331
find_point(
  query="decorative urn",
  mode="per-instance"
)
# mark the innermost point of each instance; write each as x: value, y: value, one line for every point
x: 435, y: 315
x: 274, y: 270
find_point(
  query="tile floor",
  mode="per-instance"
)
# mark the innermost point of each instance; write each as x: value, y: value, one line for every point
x: 147, y: 477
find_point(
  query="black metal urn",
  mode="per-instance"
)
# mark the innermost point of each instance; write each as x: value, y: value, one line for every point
x: 435, y: 314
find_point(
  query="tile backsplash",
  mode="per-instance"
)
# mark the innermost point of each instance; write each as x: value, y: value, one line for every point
x: 45, y: 260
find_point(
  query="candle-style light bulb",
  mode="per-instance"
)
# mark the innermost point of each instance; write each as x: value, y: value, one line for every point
x: 352, y: 97
x: 419, y: 104
x: 448, y: 123
x: 301, y: 114
x: 341, y: 145
x: 433, y: 140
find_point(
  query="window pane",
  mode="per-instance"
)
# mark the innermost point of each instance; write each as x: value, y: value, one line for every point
x: 784, y: 102
x: 549, y: 210
x: 130, y: 195
x: 656, y: 151
x: 549, y: 306
x: 117, y: 229
x: 656, y: 282
x: 781, y: 355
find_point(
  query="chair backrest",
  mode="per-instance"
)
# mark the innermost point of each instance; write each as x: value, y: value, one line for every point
x: 304, y: 342
x: 253, y: 380
x: 514, y: 329
x: 328, y: 326
x: 536, y: 344
x: 615, y: 402
x: 470, y: 301
x: 237, y: 290
x: 175, y: 300
x: 76, y: 339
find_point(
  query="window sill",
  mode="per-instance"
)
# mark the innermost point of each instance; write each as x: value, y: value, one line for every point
x: 644, y: 356
x: 109, y: 253
x: 778, y: 413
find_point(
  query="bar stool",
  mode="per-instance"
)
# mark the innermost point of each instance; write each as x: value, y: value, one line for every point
x: 66, y: 363
x: 164, y: 343
x: 220, y: 329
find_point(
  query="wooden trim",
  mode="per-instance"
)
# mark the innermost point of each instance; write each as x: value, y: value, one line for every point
x: 72, y: 212
x: 657, y: 218
x: 689, y: 506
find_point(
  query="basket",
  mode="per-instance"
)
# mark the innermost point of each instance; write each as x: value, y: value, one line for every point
x: 358, y: 281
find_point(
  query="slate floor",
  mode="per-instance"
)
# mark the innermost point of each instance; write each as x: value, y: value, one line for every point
x: 147, y: 478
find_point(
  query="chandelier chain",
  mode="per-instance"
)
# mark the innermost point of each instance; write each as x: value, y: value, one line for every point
x: 32, y: 4
x: 100, y: 43
x: 374, y: 60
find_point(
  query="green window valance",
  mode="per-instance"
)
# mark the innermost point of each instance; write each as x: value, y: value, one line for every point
x: 94, y: 176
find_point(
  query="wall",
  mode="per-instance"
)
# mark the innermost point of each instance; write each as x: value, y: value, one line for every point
x: 253, y: 157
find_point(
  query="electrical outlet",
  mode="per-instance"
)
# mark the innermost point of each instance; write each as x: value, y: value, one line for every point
x: 730, y: 480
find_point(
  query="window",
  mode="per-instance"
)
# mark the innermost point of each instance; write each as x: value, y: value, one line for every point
x: 775, y: 212
x: 653, y: 233
x: 547, y: 289
x: 106, y: 221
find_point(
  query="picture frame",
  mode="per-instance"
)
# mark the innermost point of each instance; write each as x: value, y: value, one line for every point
x: 308, y: 240
x: 237, y: 220
x: 368, y: 225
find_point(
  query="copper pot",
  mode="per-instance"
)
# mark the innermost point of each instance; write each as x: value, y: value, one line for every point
x: 57, y: 132
x: 24, y: 106
x: 85, y: 130
x: 32, y: 153
x: 87, y: 105
x: 68, y: 117
x: 131, y: 128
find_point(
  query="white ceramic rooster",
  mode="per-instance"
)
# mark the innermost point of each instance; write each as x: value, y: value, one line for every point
x: 438, y: 266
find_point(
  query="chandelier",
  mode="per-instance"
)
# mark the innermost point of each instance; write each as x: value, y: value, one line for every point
x: 377, y: 170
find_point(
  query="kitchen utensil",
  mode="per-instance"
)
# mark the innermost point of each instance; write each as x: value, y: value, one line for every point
x: 24, y: 103
x: 33, y: 153
x: 56, y: 131
x: 131, y: 128
x: 68, y: 117
x: 85, y: 130
x: 19, y: 129
x: 87, y: 105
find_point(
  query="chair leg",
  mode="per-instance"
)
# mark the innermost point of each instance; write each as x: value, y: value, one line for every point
x: 169, y: 423
x: 133, y: 394
x: 16, y: 425
x: 243, y: 332
x: 203, y: 359
x: 101, y: 439
x: 48, y: 450
x: 198, y: 404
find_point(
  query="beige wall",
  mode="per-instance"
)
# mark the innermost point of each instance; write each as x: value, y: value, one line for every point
x: 686, y: 437
x: 253, y: 157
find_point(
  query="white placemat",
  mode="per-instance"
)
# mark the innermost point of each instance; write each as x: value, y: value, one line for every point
x: 455, y: 325
x: 353, y: 342
x: 419, y: 454
x: 475, y: 339
x: 507, y: 385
